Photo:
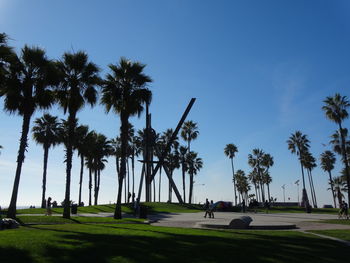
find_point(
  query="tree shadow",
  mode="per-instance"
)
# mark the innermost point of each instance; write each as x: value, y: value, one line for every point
x: 157, y: 244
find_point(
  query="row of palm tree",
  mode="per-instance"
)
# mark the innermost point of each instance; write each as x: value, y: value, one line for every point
x: 259, y: 176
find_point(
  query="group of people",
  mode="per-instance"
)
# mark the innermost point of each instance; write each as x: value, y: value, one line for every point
x: 344, y: 210
x: 209, y: 208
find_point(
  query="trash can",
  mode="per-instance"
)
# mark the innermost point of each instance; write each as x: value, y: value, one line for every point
x: 74, y: 209
x: 143, y: 211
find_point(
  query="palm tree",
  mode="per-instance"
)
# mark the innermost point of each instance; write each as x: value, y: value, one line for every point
x: 78, y: 79
x: 299, y: 143
x: 230, y: 151
x: 189, y: 132
x: 243, y: 186
x: 252, y: 176
x: 89, y: 157
x: 267, y: 162
x: 81, y: 144
x: 309, y: 162
x: 339, y: 186
x: 172, y: 159
x: 101, y: 149
x: 25, y: 87
x: 45, y: 132
x: 184, y: 168
x: 125, y: 91
x: 256, y: 161
x: 327, y: 160
x: 335, y: 110
x: 195, y: 164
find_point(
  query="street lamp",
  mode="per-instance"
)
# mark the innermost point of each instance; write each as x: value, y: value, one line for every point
x: 284, y: 196
x: 297, y: 183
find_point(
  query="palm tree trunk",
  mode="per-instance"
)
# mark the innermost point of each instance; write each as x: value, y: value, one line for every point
x: 304, y: 198
x: 127, y: 163
x: 268, y: 191
x: 345, y: 159
x: 69, y: 157
x: 98, y: 185
x: 332, y: 188
x: 234, y: 181
x: 170, y: 188
x: 124, y: 144
x: 183, y: 179
x: 256, y: 192
x: 133, y: 177
x: 11, y: 212
x: 90, y: 185
x: 95, y: 186
x: 81, y: 176
x: 46, y: 156
x: 191, y: 189
x: 313, y: 188
x: 160, y: 180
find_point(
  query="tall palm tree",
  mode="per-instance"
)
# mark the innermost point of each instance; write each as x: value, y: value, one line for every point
x: 172, y: 159
x: 195, y: 164
x: 256, y: 161
x: 243, y: 186
x: 327, y: 160
x: 335, y: 109
x: 81, y: 144
x: 89, y: 157
x: 189, y: 132
x: 309, y: 162
x: 230, y: 151
x: 78, y: 79
x: 26, y: 88
x: 267, y: 162
x: 45, y: 132
x: 184, y: 168
x: 7, y: 56
x: 252, y: 176
x: 298, y: 143
x: 339, y: 187
x: 125, y: 91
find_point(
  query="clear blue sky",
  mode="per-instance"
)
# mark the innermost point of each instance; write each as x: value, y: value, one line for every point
x: 259, y: 70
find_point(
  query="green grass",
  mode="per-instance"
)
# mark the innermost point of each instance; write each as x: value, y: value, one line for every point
x: 144, y: 243
x: 73, y: 220
x: 152, y: 208
x: 336, y: 221
x: 341, y: 234
x: 295, y: 209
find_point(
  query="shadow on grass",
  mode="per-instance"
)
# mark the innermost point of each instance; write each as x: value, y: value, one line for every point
x: 157, y: 244
x: 10, y: 254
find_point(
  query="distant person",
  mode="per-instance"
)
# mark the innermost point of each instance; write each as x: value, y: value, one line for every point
x: 211, y: 209
x: 243, y: 206
x: 133, y: 197
x: 129, y: 196
x: 48, y: 207
x: 206, y: 208
x: 267, y: 206
x: 344, y: 210
x: 137, y: 207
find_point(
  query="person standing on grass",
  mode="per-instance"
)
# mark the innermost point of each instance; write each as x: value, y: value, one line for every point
x: 48, y: 207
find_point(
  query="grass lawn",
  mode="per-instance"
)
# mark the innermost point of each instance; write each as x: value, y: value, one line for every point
x: 336, y: 221
x: 152, y: 208
x: 145, y: 243
x: 73, y: 220
x: 295, y: 209
x: 342, y: 234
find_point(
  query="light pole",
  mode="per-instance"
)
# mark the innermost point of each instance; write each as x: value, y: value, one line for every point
x: 297, y: 183
x: 193, y: 190
x: 284, y: 196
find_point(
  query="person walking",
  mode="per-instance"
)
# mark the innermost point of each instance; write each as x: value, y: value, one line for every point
x: 211, y: 209
x: 206, y: 208
x: 48, y: 207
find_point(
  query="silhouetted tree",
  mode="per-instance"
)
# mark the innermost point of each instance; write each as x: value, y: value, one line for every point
x: 124, y: 91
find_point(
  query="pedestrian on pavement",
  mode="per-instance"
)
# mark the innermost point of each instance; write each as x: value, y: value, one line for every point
x: 206, y: 208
